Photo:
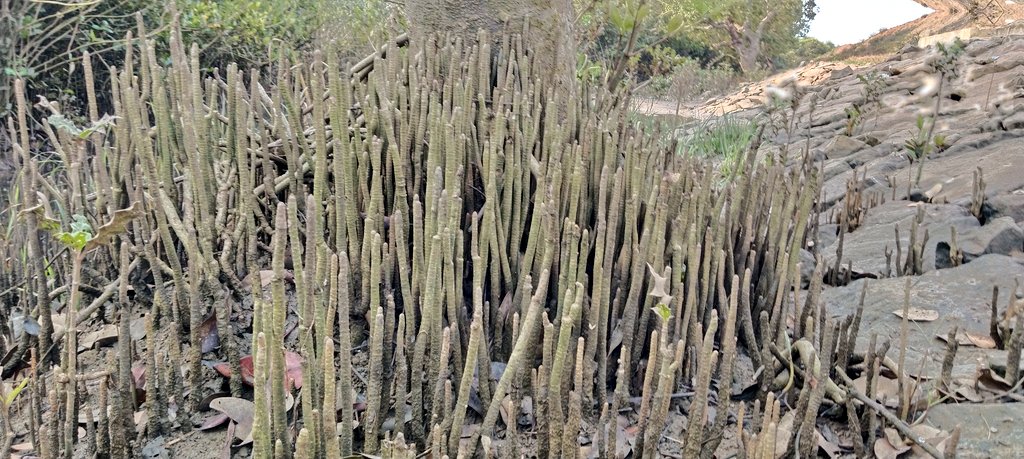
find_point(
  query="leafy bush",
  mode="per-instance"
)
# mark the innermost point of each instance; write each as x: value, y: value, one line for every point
x: 805, y: 49
x: 354, y: 28
x: 691, y: 81
x: 43, y: 42
x: 249, y: 32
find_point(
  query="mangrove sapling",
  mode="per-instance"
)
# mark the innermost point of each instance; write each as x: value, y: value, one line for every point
x: 945, y: 65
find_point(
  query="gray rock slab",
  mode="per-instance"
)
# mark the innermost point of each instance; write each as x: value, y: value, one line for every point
x: 842, y: 146
x: 1002, y: 163
x: 1001, y: 235
x: 1005, y: 205
x: 986, y: 430
x: 961, y: 296
x: 865, y: 246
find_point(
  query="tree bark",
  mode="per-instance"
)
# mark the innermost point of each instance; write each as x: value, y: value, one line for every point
x: 548, y: 24
x: 746, y: 41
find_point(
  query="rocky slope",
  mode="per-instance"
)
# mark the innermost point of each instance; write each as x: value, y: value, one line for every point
x: 965, y: 214
x: 947, y: 16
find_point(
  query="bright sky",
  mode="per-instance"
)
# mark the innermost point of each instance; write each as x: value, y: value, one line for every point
x: 849, y: 21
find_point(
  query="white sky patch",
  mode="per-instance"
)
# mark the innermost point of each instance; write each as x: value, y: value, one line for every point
x: 849, y: 21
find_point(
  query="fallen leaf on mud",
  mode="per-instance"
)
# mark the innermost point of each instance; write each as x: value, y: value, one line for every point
x: 293, y: 369
x: 137, y: 328
x: 216, y: 420
x: 930, y: 435
x: 885, y: 450
x: 139, y: 378
x: 141, y: 419
x: 267, y: 276
x: 204, y: 404
x: 506, y: 410
x: 831, y: 449
x: 625, y: 437
x: 104, y: 336
x: 240, y: 411
x: 981, y: 341
x: 971, y: 339
x: 893, y: 436
x: 615, y: 339
x: 209, y: 339
x: 886, y: 390
x: 785, y: 430
x: 226, y: 452
x: 968, y: 393
x: 918, y: 315
x: 292, y: 363
x: 28, y: 324
x: 988, y: 379
x: 225, y: 370
x: 925, y: 431
x: 289, y: 401
x: 155, y: 449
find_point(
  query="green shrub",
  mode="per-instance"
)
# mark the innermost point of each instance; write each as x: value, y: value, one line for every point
x: 249, y: 32
x: 691, y: 81
x: 43, y: 42
x: 725, y: 139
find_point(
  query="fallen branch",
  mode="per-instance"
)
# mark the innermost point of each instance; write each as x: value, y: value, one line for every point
x: 363, y: 67
x: 889, y: 416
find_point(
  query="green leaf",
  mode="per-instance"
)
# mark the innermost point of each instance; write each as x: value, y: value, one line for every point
x: 75, y: 241
x: 100, y: 125
x: 42, y: 221
x: 663, y: 311
x: 80, y: 224
x: 60, y: 122
x: 14, y: 393
x: 674, y: 23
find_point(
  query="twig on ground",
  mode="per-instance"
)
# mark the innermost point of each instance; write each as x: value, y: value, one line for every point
x: 898, y: 423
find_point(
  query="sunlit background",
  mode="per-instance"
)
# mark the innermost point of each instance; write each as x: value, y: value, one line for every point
x: 849, y: 21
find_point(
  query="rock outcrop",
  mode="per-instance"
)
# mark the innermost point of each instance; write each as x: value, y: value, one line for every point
x: 949, y: 227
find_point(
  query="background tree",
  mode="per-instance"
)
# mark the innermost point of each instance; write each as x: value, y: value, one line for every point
x: 550, y: 28
x: 748, y: 30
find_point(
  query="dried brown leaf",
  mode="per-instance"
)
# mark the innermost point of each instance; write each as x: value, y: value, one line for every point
x: 241, y: 411
x: 830, y: 448
x: 918, y: 315
x: 216, y: 420
x: 978, y: 340
x: 117, y: 225
x: 885, y: 450
x: 209, y: 338
x: 105, y: 336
